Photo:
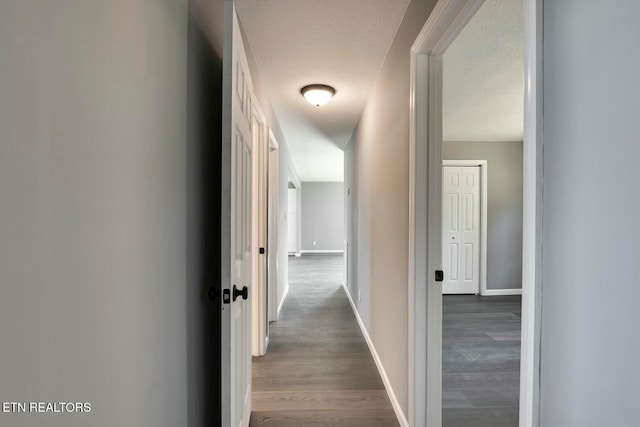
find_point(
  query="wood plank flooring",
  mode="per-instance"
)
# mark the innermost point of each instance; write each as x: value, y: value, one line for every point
x: 481, y: 361
x: 318, y: 370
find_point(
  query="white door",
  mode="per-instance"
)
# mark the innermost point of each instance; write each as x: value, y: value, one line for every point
x: 461, y: 230
x: 292, y: 225
x: 236, y: 318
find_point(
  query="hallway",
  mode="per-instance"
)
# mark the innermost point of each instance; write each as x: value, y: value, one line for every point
x: 318, y: 370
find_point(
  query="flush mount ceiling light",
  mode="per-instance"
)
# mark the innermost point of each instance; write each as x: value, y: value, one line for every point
x: 317, y: 94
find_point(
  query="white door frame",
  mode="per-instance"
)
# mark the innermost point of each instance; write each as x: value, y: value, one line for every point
x: 484, y: 173
x: 260, y: 326
x: 296, y: 234
x: 272, y: 233
x: 445, y: 22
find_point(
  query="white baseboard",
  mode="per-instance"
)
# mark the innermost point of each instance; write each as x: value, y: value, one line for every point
x: 402, y: 419
x: 284, y: 297
x: 324, y: 251
x: 497, y: 292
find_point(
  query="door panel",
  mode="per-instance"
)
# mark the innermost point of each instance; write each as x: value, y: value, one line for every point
x: 236, y: 318
x: 461, y: 230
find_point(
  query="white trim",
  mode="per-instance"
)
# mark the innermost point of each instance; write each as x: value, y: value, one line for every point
x: 402, y: 419
x: 532, y: 221
x: 484, y: 194
x: 226, y: 382
x: 425, y: 303
x: 273, y: 142
x: 272, y: 227
x: 260, y: 159
x: 322, y: 251
x: 284, y: 297
x: 499, y: 292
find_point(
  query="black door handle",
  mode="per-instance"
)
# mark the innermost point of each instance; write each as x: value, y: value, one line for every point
x: 244, y: 292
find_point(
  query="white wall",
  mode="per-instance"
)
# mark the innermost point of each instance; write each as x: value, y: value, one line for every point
x: 590, y: 375
x: 322, y: 216
x: 93, y: 217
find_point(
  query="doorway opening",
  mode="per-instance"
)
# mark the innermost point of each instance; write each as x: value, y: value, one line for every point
x: 293, y: 219
x: 501, y: 287
x: 482, y: 118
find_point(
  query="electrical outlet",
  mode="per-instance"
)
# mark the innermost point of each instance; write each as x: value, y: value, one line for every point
x: 314, y: 243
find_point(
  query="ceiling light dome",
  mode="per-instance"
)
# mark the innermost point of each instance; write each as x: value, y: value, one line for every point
x: 317, y: 94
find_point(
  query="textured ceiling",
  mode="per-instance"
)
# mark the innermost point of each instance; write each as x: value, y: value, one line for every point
x: 483, y: 76
x: 335, y: 42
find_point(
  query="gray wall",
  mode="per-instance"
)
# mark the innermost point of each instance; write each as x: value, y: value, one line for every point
x: 590, y: 375
x: 322, y: 216
x: 376, y: 172
x: 93, y: 236
x: 504, y: 206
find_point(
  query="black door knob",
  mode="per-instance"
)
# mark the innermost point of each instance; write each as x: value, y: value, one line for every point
x: 244, y: 292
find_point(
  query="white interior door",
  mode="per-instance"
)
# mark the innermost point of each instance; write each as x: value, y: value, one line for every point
x: 461, y: 230
x: 237, y: 240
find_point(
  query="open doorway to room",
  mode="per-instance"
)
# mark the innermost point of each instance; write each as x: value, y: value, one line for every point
x: 482, y: 196
x: 474, y: 169
x: 293, y: 219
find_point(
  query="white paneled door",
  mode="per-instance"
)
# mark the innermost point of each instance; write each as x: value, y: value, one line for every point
x: 236, y: 318
x: 461, y: 230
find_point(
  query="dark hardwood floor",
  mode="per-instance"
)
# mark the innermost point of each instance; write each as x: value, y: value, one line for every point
x: 481, y: 361
x: 318, y: 370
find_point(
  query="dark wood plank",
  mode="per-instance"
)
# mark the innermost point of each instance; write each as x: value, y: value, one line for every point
x: 481, y: 361
x: 333, y: 418
x: 320, y: 400
x: 318, y: 370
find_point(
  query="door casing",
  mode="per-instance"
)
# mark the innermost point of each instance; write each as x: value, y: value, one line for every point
x: 260, y: 326
x: 445, y: 22
x: 272, y: 232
